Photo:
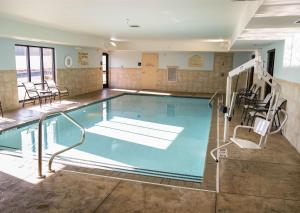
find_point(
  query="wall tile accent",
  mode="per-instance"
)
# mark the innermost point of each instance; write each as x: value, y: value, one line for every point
x: 188, y: 80
x: 126, y: 78
x: 80, y: 80
x: 8, y: 89
x: 291, y: 92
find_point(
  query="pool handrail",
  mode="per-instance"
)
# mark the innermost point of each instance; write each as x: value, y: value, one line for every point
x: 212, y: 97
x: 40, y: 137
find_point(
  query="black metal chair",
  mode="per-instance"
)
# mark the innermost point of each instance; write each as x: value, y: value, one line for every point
x: 261, y: 112
x: 249, y: 98
x: 244, y: 92
x: 256, y: 105
x: 34, y: 94
x: 56, y: 90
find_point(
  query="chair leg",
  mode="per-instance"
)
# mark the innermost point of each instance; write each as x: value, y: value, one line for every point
x: 252, y: 121
x: 279, y: 123
x: 245, y: 115
x: 1, y: 109
x: 249, y: 117
x: 24, y: 100
x: 242, y: 116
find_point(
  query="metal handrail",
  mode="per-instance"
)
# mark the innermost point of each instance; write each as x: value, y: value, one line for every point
x: 212, y: 97
x: 40, y: 175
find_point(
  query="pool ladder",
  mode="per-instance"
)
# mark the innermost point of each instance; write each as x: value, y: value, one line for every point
x: 213, y: 97
x: 40, y: 141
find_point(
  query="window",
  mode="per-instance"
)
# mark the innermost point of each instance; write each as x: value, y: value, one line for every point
x: 48, y: 62
x: 33, y: 64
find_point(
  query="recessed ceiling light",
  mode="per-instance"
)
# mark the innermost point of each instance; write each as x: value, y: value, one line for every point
x: 131, y: 25
x: 134, y: 26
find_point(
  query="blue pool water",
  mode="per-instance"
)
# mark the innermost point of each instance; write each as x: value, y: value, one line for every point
x: 151, y: 135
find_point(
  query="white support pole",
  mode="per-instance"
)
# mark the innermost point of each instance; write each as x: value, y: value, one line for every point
x: 227, y: 104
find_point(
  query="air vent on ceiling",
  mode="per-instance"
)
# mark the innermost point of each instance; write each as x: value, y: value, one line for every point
x: 172, y: 73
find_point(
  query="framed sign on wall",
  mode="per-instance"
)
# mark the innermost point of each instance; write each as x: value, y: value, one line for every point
x: 196, y: 61
x: 83, y: 58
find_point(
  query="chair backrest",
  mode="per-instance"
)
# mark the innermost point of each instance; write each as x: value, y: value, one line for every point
x: 255, y: 92
x: 30, y: 86
x: 30, y: 89
x: 267, y: 98
x: 261, y: 126
x: 253, y: 86
x: 280, y: 103
x: 51, y: 84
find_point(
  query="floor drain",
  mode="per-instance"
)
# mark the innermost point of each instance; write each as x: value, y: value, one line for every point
x: 223, y: 153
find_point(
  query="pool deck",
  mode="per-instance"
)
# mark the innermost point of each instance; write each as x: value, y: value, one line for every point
x: 265, y: 180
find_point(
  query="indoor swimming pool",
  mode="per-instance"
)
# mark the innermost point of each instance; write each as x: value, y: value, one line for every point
x: 160, y: 136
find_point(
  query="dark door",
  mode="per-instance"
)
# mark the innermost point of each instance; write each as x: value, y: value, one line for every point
x: 250, y: 75
x: 105, y: 69
x: 270, y: 68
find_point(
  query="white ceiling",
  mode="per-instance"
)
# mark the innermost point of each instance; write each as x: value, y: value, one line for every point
x: 198, y: 25
x: 159, y: 19
x: 273, y: 21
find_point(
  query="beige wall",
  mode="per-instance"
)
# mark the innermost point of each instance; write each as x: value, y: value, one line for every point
x: 8, y: 89
x: 291, y: 92
x: 80, y: 80
x: 128, y: 78
x: 188, y: 80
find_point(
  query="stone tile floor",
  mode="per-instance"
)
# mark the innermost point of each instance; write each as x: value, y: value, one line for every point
x: 265, y: 180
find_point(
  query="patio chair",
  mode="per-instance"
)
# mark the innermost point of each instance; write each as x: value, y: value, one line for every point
x: 258, y: 104
x: 244, y: 92
x: 250, y: 98
x: 262, y: 112
x: 1, y: 109
x: 34, y: 94
x: 56, y: 90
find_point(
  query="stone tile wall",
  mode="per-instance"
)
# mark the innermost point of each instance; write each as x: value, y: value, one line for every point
x: 187, y: 80
x: 9, y: 90
x: 126, y: 78
x: 291, y: 92
x: 80, y: 80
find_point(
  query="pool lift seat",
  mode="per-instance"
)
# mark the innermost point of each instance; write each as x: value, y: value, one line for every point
x: 260, y: 127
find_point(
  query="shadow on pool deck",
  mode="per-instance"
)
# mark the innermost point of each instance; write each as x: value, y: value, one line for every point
x: 265, y: 180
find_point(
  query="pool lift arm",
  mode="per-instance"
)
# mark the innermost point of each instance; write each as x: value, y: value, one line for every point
x: 261, y: 126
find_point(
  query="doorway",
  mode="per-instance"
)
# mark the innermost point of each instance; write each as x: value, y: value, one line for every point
x: 149, y: 70
x: 250, y: 75
x: 105, y: 69
x: 270, y: 69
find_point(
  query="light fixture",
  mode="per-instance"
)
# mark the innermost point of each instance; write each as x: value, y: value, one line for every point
x: 113, y: 43
x: 132, y: 25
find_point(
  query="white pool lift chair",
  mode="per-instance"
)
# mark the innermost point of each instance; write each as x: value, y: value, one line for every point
x: 262, y: 126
